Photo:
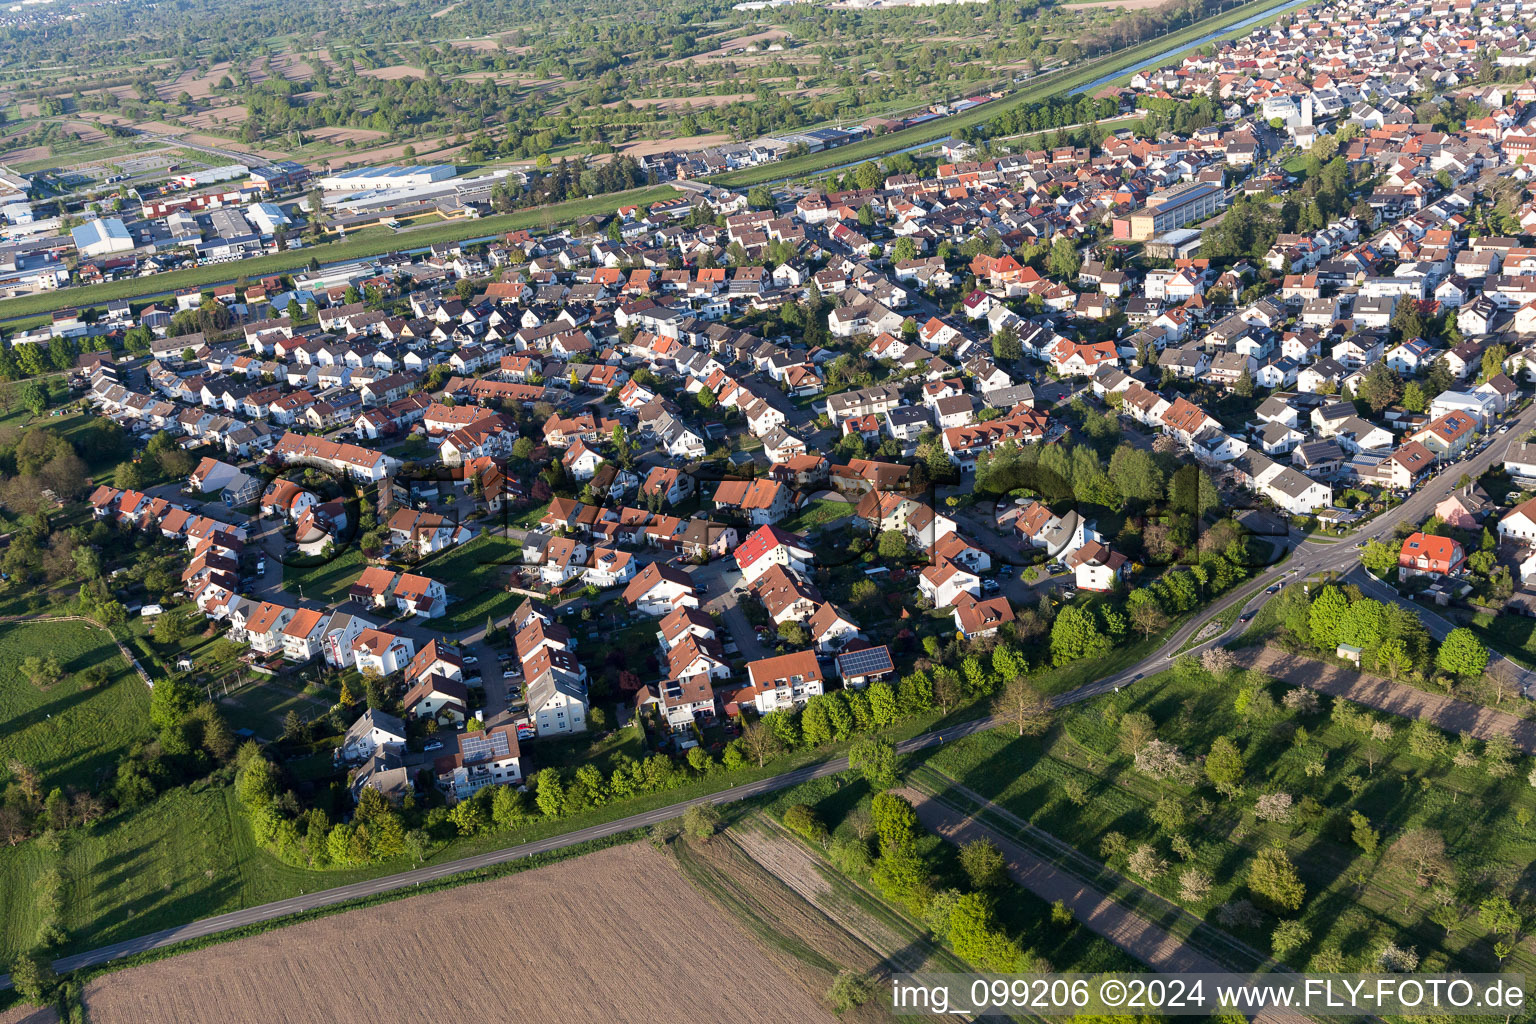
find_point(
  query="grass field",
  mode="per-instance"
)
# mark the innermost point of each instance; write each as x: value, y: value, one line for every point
x: 261, y: 707
x: 613, y: 935
x: 818, y: 513
x: 1042, y: 88
x: 1354, y: 902
x: 70, y: 735
x: 182, y: 857
x: 472, y: 574
x: 332, y: 252
x: 326, y: 581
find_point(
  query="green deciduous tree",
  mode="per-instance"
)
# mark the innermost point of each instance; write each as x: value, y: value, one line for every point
x: 1462, y: 653
x: 1224, y: 767
x: 1273, y: 878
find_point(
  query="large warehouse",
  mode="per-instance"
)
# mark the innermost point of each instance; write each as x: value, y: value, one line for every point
x: 361, y: 179
x: 101, y: 237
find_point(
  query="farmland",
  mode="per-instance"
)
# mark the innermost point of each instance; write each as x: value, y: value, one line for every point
x: 614, y: 935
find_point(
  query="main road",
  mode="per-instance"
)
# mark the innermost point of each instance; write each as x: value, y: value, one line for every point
x: 1309, y: 557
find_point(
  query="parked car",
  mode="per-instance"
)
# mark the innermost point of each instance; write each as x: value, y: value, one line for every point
x: 432, y: 745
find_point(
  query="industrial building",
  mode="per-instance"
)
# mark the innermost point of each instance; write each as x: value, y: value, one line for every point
x: 100, y: 237
x: 268, y: 217
x: 1170, y: 210
x: 362, y: 179
x: 211, y: 176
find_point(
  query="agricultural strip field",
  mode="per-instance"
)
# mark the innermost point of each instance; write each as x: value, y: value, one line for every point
x: 1057, y: 83
x: 614, y: 935
x: 331, y: 252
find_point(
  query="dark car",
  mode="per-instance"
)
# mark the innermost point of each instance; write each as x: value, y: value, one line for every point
x: 1245, y: 616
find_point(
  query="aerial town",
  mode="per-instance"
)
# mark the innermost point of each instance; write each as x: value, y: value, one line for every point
x: 1161, y: 488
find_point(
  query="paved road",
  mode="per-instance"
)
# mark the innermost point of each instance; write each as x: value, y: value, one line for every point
x: 1307, y: 558
x: 419, y: 876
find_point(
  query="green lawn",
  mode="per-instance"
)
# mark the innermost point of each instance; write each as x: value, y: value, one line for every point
x: 1513, y: 636
x: 474, y: 575
x: 70, y: 735
x: 1354, y: 902
x: 326, y: 581
x: 353, y: 248
x: 262, y: 705
x: 572, y: 753
x: 819, y: 512
x: 185, y: 856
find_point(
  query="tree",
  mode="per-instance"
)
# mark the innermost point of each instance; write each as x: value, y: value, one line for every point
x: 904, y: 250
x: 895, y: 822
x: 1365, y: 837
x: 1499, y: 916
x: 34, y: 397
x: 760, y: 742
x: 1064, y: 261
x: 1288, y: 937
x: 1327, y: 617
x: 1380, y: 387
x: 1273, y: 878
x: 847, y: 991
x: 1378, y: 557
x: 1022, y: 706
x: 701, y: 820
x: 33, y: 978
x: 129, y: 476
x: 760, y: 198
x: 1421, y: 851
x: 984, y: 864
x: 876, y: 758
x: 1244, y: 384
x: 975, y: 936
x: 1075, y: 634
x: 1224, y: 767
x: 892, y: 544
x: 1413, y: 397
x: 1462, y: 653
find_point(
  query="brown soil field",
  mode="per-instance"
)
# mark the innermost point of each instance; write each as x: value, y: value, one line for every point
x: 647, y: 147
x: 232, y: 115
x: 338, y: 135
x: 726, y: 48
x: 616, y: 935
x: 684, y: 102
x: 394, y: 154
x: 198, y: 86
x: 21, y: 156
x: 395, y: 72
x: 29, y: 1015
x: 487, y: 44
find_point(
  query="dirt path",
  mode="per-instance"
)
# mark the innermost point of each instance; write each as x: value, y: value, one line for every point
x: 1454, y: 716
x: 1151, y: 944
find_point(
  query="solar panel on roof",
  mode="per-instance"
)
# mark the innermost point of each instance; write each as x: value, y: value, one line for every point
x: 865, y: 662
